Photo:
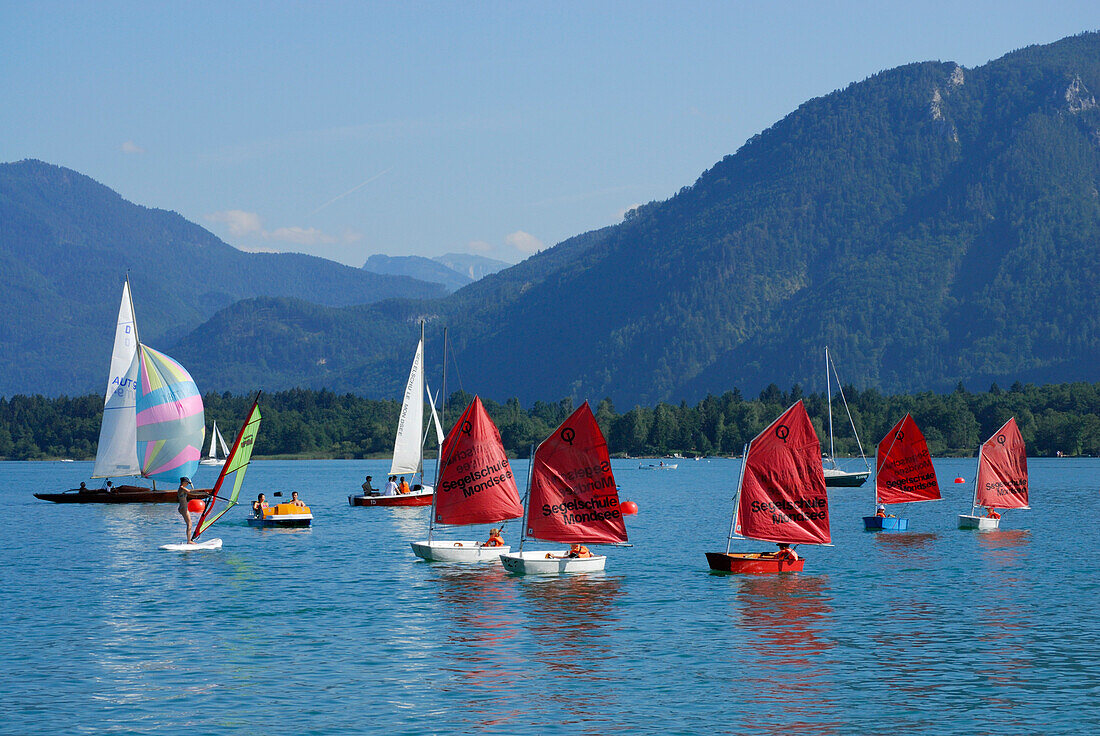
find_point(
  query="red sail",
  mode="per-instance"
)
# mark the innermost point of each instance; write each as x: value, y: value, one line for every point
x: 476, y: 485
x: 573, y: 496
x: 903, y: 466
x: 782, y: 497
x: 1002, y: 470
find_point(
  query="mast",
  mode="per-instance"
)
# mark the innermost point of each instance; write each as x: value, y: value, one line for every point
x: 737, y: 498
x: 420, y: 462
x: 526, y: 496
x: 439, y: 456
x: 977, y: 472
x: 829, y: 394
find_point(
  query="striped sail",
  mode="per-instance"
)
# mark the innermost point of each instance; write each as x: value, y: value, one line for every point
x: 233, y: 471
x: 170, y: 423
x: 115, y: 455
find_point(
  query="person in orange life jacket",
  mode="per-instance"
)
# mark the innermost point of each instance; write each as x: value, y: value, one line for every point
x: 577, y: 550
x: 495, y: 539
x: 259, y: 505
x: 785, y: 553
x: 402, y: 487
x: 990, y: 513
x: 881, y: 512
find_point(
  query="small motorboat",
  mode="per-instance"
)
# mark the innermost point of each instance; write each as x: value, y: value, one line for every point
x: 283, y: 515
x: 753, y: 563
x: 421, y: 496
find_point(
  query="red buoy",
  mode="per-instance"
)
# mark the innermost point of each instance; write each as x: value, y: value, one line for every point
x: 960, y: 480
x: 195, y: 506
x: 628, y: 508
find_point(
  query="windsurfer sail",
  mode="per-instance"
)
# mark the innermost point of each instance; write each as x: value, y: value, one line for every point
x: 233, y: 470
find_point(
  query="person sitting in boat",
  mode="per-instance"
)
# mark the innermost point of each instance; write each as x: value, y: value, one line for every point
x: 880, y: 512
x: 259, y: 505
x: 403, y: 487
x: 495, y: 539
x: 368, y: 489
x: 786, y: 552
x: 83, y: 486
x: 577, y: 551
x: 991, y: 513
x: 294, y: 500
x: 108, y: 487
x: 391, y: 487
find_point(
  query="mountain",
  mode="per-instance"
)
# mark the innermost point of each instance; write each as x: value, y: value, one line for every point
x: 471, y: 266
x: 931, y: 224
x: 417, y: 267
x: 66, y: 242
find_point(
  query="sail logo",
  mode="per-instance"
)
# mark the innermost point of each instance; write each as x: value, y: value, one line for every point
x: 783, y: 432
x: 568, y: 435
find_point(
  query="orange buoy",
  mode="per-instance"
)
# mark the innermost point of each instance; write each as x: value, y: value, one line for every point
x: 960, y: 480
x: 628, y: 508
x: 195, y: 506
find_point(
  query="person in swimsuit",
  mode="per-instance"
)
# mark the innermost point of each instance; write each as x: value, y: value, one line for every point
x: 181, y: 497
x: 295, y: 501
x: 259, y: 505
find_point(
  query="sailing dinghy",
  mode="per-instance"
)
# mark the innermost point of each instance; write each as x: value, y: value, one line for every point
x: 408, y: 445
x: 1002, y: 478
x: 231, y: 478
x: 780, y: 498
x: 152, y: 422
x: 475, y: 486
x: 573, y: 499
x: 834, y: 475
x: 212, y: 456
x: 903, y: 474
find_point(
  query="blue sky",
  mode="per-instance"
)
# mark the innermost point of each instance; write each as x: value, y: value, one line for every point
x: 347, y: 129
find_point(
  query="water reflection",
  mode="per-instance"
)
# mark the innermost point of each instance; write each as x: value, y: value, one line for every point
x: 785, y: 616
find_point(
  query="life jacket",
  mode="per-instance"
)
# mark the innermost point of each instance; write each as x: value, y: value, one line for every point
x: 582, y: 551
x: 881, y: 514
x: 494, y: 542
x: 787, y: 554
x: 991, y: 514
x: 403, y: 488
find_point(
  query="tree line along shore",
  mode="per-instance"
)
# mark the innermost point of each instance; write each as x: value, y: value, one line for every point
x: 1056, y: 419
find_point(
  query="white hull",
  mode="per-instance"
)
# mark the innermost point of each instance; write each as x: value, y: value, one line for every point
x: 208, y: 544
x: 212, y: 461
x: 461, y: 550
x: 658, y: 467
x: 981, y: 523
x: 536, y: 563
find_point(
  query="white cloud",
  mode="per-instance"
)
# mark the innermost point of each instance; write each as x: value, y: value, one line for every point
x: 250, y: 225
x: 131, y: 147
x: 478, y: 246
x: 299, y: 235
x: 524, y: 242
x: 239, y: 222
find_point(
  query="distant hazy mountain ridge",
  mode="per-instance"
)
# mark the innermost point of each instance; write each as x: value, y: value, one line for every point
x: 453, y: 270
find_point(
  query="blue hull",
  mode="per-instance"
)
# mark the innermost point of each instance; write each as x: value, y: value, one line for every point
x: 884, y: 524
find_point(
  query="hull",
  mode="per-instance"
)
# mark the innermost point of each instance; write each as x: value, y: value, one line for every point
x: 658, y: 467
x: 281, y: 520
x: 215, y: 463
x: 981, y: 523
x: 121, y: 494
x: 194, y: 547
x: 416, y: 498
x: 840, y: 479
x: 447, y: 550
x: 536, y: 563
x: 884, y: 524
x: 752, y: 564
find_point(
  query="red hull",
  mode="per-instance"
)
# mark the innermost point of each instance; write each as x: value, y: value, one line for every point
x: 120, y: 494
x: 418, y: 500
x: 752, y: 564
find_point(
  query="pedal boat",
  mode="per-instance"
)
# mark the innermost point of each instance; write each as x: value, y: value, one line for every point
x: 753, y: 563
x: 536, y: 562
x: 284, y: 515
x: 421, y: 497
x: 449, y: 550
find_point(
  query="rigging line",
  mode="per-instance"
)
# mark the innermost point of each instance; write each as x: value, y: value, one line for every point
x: 849, y: 412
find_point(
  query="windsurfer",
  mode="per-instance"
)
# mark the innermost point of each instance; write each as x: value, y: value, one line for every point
x: 495, y: 539
x: 259, y: 505
x: 181, y: 498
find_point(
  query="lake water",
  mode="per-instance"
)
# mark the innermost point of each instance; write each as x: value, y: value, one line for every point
x: 339, y: 629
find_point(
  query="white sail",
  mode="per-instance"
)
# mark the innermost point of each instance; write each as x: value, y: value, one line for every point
x: 213, y: 453
x: 435, y: 417
x: 406, y: 446
x: 116, y: 454
x: 221, y: 441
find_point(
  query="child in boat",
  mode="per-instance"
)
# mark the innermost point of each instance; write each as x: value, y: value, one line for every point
x: 990, y: 513
x: 786, y: 552
x: 403, y: 487
x: 495, y: 539
x: 259, y: 505
x: 577, y: 551
x: 295, y: 501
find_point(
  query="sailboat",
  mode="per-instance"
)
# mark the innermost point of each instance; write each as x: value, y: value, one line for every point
x: 475, y: 486
x: 408, y: 444
x: 780, y: 498
x: 231, y: 477
x: 152, y: 422
x: 572, y: 499
x: 1002, y: 478
x: 903, y: 474
x: 834, y: 476
x: 212, y: 456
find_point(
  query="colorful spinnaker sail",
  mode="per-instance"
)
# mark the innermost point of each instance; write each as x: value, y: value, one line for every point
x: 476, y: 485
x: 170, y: 424
x: 1002, y: 470
x: 782, y: 497
x: 903, y: 466
x: 233, y: 470
x: 573, y: 496
x: 116, y: 453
